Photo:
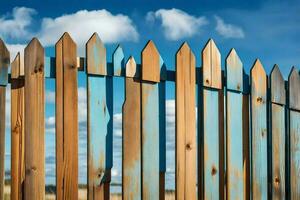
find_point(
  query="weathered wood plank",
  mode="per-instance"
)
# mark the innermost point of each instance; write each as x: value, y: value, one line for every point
x: 132, y: 137
x: 119, y: 61
x: 4, y: 63
x: 150, y: 122
x: 94, y: 48
x: 235, y: 131
x: 259, y: 131
x: 210, y: 175
x: 17, y: 131
x: 34, y: 121
x: 277, y: 86
x: 66, y: 119
x: 211, y: 65
x: 294, y: 127
x: 150, y: 63
x: 99, y: 133
x: 185, y: 124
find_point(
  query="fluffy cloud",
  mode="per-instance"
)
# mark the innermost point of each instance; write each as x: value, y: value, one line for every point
x: 16, y: 25
x: 177, y: 24
x: 82, y: 24
x: 228, y: 30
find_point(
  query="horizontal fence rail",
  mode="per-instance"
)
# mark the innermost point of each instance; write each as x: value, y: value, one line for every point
x: 237, y: 135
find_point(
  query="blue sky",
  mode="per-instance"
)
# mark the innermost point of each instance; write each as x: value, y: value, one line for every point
x: 268, y: 30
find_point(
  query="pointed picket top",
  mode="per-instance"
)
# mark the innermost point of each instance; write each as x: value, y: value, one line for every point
x: 234, y: 71
x: 294, y: 88
x: 119, y: 61
x: 183, y: 55
x: 131, y: 68
x: 4, y: 63
x: 258, y: 82
x: 15, y: 67
x: 277, y: 85
x: 34, y: 50
x: 150, y: 63
x: 211, y: 65
x: 96, y: 56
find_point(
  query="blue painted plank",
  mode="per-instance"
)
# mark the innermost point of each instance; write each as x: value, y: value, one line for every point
x: 259, y: 132
x: 235, y: 160
x: 295, y: 154
x: 119, y: 62
x: 211, y: 144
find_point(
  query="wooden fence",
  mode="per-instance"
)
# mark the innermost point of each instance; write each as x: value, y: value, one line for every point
x: 247, y: 145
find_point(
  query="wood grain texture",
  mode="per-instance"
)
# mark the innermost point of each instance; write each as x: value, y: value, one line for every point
x: 119, y: 61
x: 185, y: 124
x: 132, y: 137
x: 235, y: 131
x: 95, y: 47
x: 150, y: 63
x: 294, y: 127
x: 211, y: 65
x: 277, y: 86
x: 66, y: 119
x: 259, y: 131
x: 99, y: 89
x: 294, y: 94
x: 17, y: 131
x: 34, y: 121
x: 4, y: 62
x: 150, y: 122
x: 132, y: 70
x: 278, y: 133
x: 234, y: 71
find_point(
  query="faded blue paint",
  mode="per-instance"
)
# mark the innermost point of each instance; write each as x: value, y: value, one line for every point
x: 3, y: 71
x: 295, y: 154
x: 235, y: 179
x: 150, y: 140
x: 119, y: 62
x: 211, y: 143
x: 98, y: 119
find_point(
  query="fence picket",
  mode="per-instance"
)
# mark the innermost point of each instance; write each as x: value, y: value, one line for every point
x: 185, y: 124
x: 235, y: 131
x: 211, y: 126
x: 294, y: 128
x: 119, y: 62
x: 132, y: 135
x: 259, y: 131
x: 150, y: 121
x: 66, y: 119
x: 4, y: 63
x: 99, y: 135
x: 34, y: 121
x: 277, y: 109
x: 17, y: 130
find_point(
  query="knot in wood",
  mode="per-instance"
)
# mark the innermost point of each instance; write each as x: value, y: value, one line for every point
x: 277, y: 181
x: 188, y: 146
x: 213, y: 171
x: 207, y: 81
x: 259, y: 99
x: 238, y: 86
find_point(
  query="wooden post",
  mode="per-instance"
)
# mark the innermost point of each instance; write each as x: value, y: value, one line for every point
x: 131, y: 183
x: 277, y: 108
x: 150, y: 121
x: 99, y: 117
x: 211, y: 185
x: 4, y: 63
x: 119, y: 62
x: 66, y: 119
x: 17, y: 131
x: 235, y: 131
x: 259, y: 132
x: 294, y: 128
x: 34, y: 121
x: 185, y: 124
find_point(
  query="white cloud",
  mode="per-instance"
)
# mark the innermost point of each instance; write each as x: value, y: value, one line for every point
x: 177, y: 24
x: 16, y: 24
x: 228, y: 30
x: 82, y: 24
